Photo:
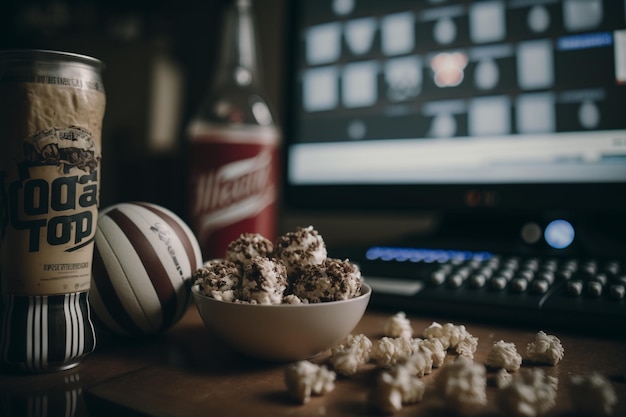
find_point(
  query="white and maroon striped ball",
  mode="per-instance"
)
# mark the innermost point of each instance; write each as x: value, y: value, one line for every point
x: 144, y: 258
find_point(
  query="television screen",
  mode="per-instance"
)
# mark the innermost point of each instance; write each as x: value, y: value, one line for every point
x: 494, y: 106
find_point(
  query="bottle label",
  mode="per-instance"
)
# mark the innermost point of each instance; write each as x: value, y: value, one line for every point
x: 233, y: 186
x: 49, y: 185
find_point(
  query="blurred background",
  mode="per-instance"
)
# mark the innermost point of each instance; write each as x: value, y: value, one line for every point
x: 159, y: 57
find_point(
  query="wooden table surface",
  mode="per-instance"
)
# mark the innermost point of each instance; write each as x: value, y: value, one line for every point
x: 187, y: 372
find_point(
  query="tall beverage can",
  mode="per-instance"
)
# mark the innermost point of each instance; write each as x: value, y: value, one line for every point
x: 51, y: 110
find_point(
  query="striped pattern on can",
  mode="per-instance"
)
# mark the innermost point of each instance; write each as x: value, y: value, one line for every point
x: 46, y: 332
x: 144, y: 258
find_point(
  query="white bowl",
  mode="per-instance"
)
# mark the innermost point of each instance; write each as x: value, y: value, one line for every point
x: 282, y: 332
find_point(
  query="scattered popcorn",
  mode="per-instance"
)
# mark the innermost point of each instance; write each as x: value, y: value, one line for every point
x: 467, y: 346
x: 454, y: 333
x: 454, y: 337
x: 462, y: 385
x: 398, y: 325
x: 529, y: 394
x: 436, y: 349
x: 504, y: 355
x: 420, y: 362
x: 435, y: 331
x: 592, y: 394
x: 352, y: 353
x: 503, y: 378
x: 545, y: 349
x: 388, y: 350
x: 305, y: 378
x: 396, y: 387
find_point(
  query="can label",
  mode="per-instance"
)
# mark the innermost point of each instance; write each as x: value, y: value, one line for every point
x: 49, y: 188
x: 234, y: 189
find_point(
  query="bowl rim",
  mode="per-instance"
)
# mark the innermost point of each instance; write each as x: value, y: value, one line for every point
x: 366, y: 292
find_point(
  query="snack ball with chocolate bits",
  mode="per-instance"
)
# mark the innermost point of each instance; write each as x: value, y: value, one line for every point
x: 220, y: 279
x: 333, y: 280
x: 264, y: 281
x: 247, y: 247
x: 300, y: 249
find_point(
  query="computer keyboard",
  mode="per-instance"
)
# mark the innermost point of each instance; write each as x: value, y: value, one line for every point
x: 583, y: 295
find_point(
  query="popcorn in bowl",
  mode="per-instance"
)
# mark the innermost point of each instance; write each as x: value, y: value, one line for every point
x: 264, y: 308
x: 296, y: 270
x: 300, y: 249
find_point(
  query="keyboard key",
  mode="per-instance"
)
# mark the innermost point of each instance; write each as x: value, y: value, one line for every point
x: 547, y: 276
x: 464, y: 272
x: 617, y: 291
x: 519, y: 285
x: 478, y: 280
x: 612, y: 268
x: 565, y: 274
x: 589, y: 268
x: 438, y: 277
x: 594, y: 289
x: 498, y: 283
x: 506, y: 274
x: 575, y: 288
x: 550, y: 265
x: 540, y: 286
x: 531, y: 265
x: 486, y: 272
x: 526, y: 274
x: 455, y: 280
x: 570, y: 265
x: 600, y: 278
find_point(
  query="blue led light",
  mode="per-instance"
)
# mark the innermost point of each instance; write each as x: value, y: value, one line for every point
x: 373, y: 253
x: 559, y: 234
x: 585, y: 41
x: 482, y: 256
x: 400, y: 254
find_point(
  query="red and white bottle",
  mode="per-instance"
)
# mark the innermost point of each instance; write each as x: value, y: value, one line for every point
x: 234, y: 145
